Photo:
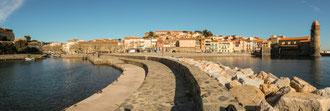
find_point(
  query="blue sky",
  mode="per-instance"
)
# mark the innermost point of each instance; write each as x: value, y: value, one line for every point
x: 61, y: 20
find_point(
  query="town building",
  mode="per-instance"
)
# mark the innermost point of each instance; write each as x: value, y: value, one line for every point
x: 297, y: 46
x: 225, y: 46
x: 187, y: 42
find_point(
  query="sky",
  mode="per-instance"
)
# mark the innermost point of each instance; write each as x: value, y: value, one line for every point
x: 62, y: 20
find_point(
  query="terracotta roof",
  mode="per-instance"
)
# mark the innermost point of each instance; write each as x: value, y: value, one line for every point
x: 187, y: 39
x: 289, y: 45
x: 305, y: 41
x: 132, y: 38
x: 296, y: 38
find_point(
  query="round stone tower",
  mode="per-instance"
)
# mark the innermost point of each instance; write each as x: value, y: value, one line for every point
x: 315, y: 39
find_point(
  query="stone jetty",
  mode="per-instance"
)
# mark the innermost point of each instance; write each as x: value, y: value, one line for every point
x: 265, y: 91
x: 183, y: 84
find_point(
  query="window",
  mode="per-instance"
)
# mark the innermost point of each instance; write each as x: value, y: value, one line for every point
x: 295, y: 42
x: 289, y: 42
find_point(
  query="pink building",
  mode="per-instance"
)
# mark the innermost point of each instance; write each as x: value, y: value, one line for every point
x: 187, y: 42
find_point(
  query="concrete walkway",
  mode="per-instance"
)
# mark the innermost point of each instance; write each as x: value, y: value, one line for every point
x: 113, y: 95
x: 159, y: 91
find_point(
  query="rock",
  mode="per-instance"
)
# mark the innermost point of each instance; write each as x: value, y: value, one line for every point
x: 235, y: 68
x: 223, y: 74
x: 212, y: 67
x: 254, y: 82
x: 262, y: 75
x: 264, y: 106
x: 323, y: 92
x: 233, y: 84
x: 214, y: 71
x: 252, y: 76
x: 239, y: 75
x: 301, y: 85
x: 268, y: 89
x: 225, y: 67
x: 272, y: 76
x: 303, y: 102
x: 247, y: 71
x: 281, y: 82
x: 269, y: 80
x: 273, y: 98
x: 249, y: 96
x: 230, y: 72
x: 223, y: 80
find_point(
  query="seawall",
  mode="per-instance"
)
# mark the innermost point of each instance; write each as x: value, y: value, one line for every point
x: 20, y: 56
x: 207, y: 94
x: 114, y: 94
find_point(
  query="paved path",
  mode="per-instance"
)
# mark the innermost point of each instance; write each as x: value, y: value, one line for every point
x: 159, y: 91
x: 159, y: 83
x: 114, y: 94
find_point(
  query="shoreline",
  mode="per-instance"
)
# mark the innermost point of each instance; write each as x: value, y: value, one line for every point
x: 110, y: 97
x: 20, y: 56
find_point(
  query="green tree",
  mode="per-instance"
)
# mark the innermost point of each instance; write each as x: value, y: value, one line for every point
x: 197, y: 31
x: 21, y: 46
x: 151, y: 34
x: 207, y: 33
x: 28, y: 38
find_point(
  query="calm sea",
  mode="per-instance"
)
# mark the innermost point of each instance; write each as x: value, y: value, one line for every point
x: 50, y: 84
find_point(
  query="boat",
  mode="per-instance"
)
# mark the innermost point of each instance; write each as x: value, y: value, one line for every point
x: 29, y: 59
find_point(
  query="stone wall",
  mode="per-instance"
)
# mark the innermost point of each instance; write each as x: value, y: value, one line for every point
x: 182, y: 49
x: 210, y: 96
x: 20, y: 56
x: 6, y: 34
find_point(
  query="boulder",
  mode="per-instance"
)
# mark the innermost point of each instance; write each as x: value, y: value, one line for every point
x: 225, y: 67
x: 235, y: 68
x: 264, y: 106
x: 301, y: 85
x: 247, y: 71
x: 237, y: 76
x: 269, y: 80
x: 230, y: 72
x: 262, y: 75
x: 268, y: 89
x: 281, y: 82
x: 233, y: 84
x: 303, y: 102
x: 252, y: 76
x: 223, y: 74
x: 272, y: 76
x: 223, y: 80
x: 254, y: 82
x: 212, y: 67
x: 273, y: 98
x: 323, y: 92
x: 249, y: 96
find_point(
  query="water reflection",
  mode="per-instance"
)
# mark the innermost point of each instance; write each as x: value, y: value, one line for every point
x: 50, y: 84
x: 312, y: 70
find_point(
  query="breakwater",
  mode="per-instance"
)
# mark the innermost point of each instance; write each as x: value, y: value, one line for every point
x: 265, y: 91
x: 114, y: 94
x: 205, y: 93
x: 20, y: 56
x: 175, y: 83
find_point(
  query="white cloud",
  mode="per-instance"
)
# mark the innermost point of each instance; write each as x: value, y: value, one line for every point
x: 315, y: 8
x: 7, y: 7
